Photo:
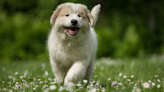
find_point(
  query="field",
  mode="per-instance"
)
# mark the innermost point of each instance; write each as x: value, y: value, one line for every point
x: 110, y: 75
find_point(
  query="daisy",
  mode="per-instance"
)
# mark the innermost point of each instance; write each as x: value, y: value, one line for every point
x: 124, y: 76
x: 158, y: 80
x: 149, y: 81
x: 53, y: 87
x: 120, y: 74
x: 158, y: 86
x: 78, y: 84
x: 119, y: 83
x: 153, y: 84
x: 109, y: 79
x: 85, y: 81
x: 146, y: 85
x: 128, y: 80
x: 16, y: 73
x: 103, y: 89
x: 61, y: 88
x: 132, y: 76
x: 46, y: 72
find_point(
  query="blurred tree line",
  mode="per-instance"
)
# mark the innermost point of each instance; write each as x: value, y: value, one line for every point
x: 126, y: 28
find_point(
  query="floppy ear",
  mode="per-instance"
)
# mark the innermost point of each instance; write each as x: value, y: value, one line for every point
x: 54, y: 16
x: 90, y: 17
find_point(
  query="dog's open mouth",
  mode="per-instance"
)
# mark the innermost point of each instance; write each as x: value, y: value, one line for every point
x: 72, y: 30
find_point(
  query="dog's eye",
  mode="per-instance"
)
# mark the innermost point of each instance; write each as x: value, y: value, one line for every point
x: 79, y: 15
x: 67, y: 15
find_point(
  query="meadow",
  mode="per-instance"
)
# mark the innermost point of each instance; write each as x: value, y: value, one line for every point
x: 110, y: 75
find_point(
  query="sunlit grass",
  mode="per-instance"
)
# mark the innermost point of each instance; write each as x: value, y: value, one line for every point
x: 110, y: 75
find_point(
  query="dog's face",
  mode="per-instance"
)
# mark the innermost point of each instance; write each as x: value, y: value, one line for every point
x: 71, y: 19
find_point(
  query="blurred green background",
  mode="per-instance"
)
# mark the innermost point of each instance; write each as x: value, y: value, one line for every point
x: 126, y: 28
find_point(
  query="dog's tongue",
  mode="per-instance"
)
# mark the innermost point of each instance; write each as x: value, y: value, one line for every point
x: 72, y: 30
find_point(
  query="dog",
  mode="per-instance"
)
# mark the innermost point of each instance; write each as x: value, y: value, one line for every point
x: 72, y: 42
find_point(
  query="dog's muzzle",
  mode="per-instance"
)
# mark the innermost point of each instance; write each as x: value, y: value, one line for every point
x: 73, y: 31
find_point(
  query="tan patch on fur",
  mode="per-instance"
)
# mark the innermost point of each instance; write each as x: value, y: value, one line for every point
x: 65, y: 9
x: 62, y: 11
x: 85, y: 13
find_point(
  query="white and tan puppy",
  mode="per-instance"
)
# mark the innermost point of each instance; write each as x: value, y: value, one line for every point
x: 72, y: 43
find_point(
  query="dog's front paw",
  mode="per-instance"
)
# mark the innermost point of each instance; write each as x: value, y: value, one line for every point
x: 69, y: 79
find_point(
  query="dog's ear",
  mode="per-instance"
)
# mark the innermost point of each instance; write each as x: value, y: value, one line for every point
x: 54, y: 16
x: 90, y: 17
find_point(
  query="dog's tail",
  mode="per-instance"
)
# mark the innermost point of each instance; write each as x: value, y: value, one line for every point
x: 95, y: 13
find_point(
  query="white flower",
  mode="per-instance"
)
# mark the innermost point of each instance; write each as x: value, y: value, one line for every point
x: 128, y: 80
x: 97, y: 83
x: 16, y: 73
x: 146, y: 85
x: 41, y: 82
x: 39, y: 79
x: 3, y: 81
x: 149, y: 81
x: 46, y: 90
x: 158, y: 80
x: 10, y: 90
x: 61, y: 89
x: 103, y: 89
x: 52, y: 82
x: 45, y: 86
x: 132, y: 76
x: 120, y: 74
x: 10, y: 77
x: 21, y: 77
x: 69, y: 86
x: 119, y: 83
x: 158, y: 86
x: 78, y: 84
x: 155, y: 75
x: 50, y: 79
x: 113, y: 83
x: 52, y: 87
x: 46, y: 72
x: 92, y: 90
x: 135, y: 89
x: 153, y: 84
x: 91, y: 85
x: 34, y: 88
x: 124, y: 76
x: 24, y: 84
x: 31, y: 83
x: 85, y: 81
x: 109, y: 79
x: 45, y: 81
x: 138, y: 90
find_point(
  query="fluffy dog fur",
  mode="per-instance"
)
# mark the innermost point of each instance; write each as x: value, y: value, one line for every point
x: 72, y: 43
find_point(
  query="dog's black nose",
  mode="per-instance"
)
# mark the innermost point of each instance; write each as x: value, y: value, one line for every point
x: 74, y: 21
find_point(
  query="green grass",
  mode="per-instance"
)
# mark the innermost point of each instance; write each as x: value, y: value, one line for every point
x: 116, y: 75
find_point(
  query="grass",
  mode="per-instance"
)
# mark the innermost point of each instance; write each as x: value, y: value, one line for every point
x: 110, y: 75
